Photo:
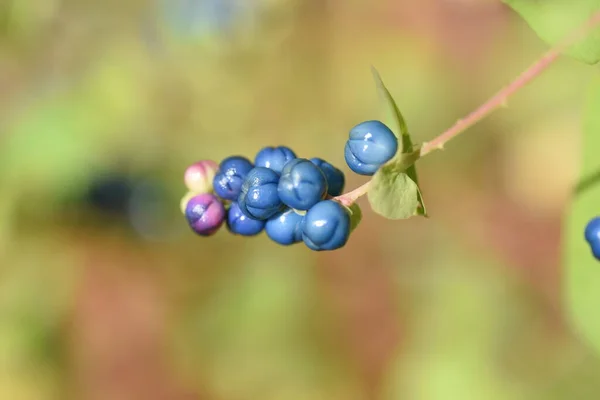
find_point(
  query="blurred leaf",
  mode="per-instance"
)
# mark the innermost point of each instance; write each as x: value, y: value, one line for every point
x: 553, y: 20
x: 355, y: 216
x: 582, y: 269
x: 395, y: 187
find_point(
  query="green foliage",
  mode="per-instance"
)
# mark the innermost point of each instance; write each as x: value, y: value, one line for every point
x: 394, y: 191
x: 553, y: 20
x: 355, y: 216
x: 582, y: 269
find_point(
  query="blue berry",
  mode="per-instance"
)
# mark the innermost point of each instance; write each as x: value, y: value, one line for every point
x: 370, y: 145
x: 335, y: 178
x: 240, y: 224
x: 284, y: 228
x: 258, y: 197
x: 205, y: 214
x: 326, y: 226
x: 302, y: 184
x: 592, y: 236
x: 230, y: 176
x: 274, y: 158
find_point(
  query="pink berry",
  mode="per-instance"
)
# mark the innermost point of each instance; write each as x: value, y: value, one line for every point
x: 199, y: 176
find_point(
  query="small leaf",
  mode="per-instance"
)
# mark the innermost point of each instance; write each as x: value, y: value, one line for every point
x: 582, y: 270
x: 554, y: 20
x: 355, y: 215
x: 393, y: 195
x: 401, y: 164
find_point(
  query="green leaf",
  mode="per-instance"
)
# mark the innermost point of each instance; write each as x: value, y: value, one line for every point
x: 554, y: 20
x: 582, y: 271
x: 355, y: 216
x: 398, y: 178
x: 393, y: 194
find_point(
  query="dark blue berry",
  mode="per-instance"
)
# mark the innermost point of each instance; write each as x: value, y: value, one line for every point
x: 592, y: 236
x: 258, y: 197
x: 230, y: 176
x: 370, y: 145
x: 326, y: 226
x: 335, y: 178
x: 284, y: 228
x: 302, y: 184
x: 274, y: 158
x: 240, y: 224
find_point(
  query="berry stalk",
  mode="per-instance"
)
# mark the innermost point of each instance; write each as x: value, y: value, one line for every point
x: 495, y: 102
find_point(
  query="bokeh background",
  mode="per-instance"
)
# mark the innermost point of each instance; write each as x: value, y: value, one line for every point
x: 105, y: 293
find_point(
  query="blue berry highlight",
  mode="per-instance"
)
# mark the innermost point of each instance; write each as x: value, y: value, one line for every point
x: 370, y: 145
x: 302, y: 184
x: 285, y: 228
x: 335, y: 178
x: 274, y: 158
x: 326, y: 226
x: 228, y: 181
x: 258, y: 197
x: 240, y: 224
x: 592, y: 236
x: 205, y: 214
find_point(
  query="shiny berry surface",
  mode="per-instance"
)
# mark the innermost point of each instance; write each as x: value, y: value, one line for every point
x: 335, y: 177
x: 326, y: 226
x: 228, y: 180
x: 302, y: 184
x: 370, y: 145
x: 274, y: 158
x: 285, y: 228
x: 240, y: 224
x: 205, y: 214
x: 258, y: 197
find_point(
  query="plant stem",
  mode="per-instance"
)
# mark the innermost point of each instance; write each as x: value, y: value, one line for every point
x: 496, y: 101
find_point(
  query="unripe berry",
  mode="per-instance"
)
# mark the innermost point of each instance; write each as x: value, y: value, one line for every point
x: 240, y: 224
x: 258, y: 196
x: 326, y: 226
x: 199, y: 176
x: 592, y: 236
x: 230, y: 176
x: 185, y: 199
x: 335, y: 178
x: 302, y: 184
x: 370, y: 145
x: 284, y: 228
x: 205, y: 214
x: 274, y: 158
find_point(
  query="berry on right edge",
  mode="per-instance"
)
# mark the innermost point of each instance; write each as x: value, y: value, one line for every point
x: 592, y: 236
x: 326, y: 226
x: 370, y: 145
x: 302, y: 184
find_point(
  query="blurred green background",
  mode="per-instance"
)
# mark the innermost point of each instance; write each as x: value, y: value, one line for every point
x: 130, y: 304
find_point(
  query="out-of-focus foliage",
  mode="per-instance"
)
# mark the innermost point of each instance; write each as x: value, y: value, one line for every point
x: 128, y: 303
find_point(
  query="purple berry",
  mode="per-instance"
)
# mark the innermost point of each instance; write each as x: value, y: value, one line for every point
x: 205, y: 214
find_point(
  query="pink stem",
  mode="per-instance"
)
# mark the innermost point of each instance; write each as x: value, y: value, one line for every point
x: 492, y: 104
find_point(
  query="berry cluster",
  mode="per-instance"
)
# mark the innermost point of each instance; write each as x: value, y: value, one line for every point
x: 292, y: 199
x: 592, y: 236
